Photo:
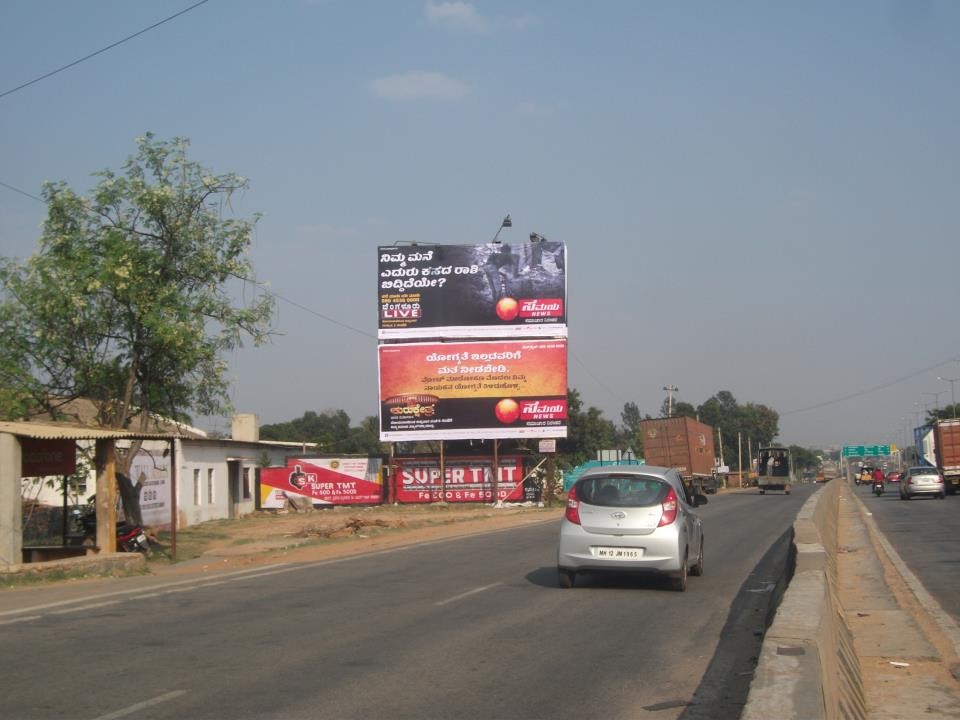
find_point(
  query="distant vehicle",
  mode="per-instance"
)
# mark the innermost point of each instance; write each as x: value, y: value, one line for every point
x: 894, y: 476
x: 631, y: 519
x: 685, y: 444
x: 821, y: 477
x: 946, y: 448
x: 775, y: 469
x: 923, y: 480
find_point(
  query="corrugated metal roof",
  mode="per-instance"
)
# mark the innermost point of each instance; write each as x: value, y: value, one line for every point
x: 60, y: 431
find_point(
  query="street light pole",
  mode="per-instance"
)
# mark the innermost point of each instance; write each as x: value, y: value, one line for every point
x: 671, y: 389
x: 953, y: 400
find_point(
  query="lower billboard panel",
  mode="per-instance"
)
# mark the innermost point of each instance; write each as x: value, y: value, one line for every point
x: 484, y: 390
x: 468, y: 479
x: 325, y: 481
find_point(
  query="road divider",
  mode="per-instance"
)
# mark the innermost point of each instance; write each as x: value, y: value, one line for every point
x: 808, y: 668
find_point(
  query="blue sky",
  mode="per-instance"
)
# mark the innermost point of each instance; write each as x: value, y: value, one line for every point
x: 756, y: 197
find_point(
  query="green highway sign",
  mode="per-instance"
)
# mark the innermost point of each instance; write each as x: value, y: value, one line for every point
x: 865, y: 450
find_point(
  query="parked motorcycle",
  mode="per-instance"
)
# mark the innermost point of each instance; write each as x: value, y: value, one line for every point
x: 130, y: 538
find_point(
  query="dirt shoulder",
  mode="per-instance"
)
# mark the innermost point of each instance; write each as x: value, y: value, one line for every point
x: 268, y: 536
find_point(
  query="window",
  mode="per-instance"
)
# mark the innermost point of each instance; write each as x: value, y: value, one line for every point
x: 246, y: 484
x: 196, y: 486
x: 210, y: 497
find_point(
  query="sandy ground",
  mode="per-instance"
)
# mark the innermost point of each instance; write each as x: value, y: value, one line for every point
x: 312, y: 535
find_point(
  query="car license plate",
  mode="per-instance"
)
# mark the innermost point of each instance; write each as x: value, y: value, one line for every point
x: 615, y: 553
x: 142, y: 538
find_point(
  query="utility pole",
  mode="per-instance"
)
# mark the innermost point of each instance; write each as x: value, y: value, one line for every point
x: 671, y: 389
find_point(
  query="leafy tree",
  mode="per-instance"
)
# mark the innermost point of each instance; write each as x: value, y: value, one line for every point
x: 945, y: 413
x: 752, y: 423
x: 331, y: 431
x: 804, y: 458
x: 128, y: 301
x: 587, y: 432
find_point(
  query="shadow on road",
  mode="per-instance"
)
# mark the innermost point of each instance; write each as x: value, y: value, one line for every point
x: 722, y: 693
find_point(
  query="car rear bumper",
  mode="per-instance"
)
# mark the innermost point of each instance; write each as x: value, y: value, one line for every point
x: 579, y: 550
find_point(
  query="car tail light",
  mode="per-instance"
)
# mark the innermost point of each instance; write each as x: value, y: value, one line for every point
x: 573, y: 507
x: 910, y: 481
x: 669, y: 507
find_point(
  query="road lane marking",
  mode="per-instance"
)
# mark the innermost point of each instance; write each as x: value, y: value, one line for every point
x: 461, y: 596
x: 28, y: 618
x: 142, y: 705
x: 89, y: 606
x: 132, y: 591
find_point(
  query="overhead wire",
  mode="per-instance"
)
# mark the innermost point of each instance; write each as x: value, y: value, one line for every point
x: 101, y: 50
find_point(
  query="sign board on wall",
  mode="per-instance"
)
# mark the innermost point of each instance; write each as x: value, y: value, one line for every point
x: 325, y: 480
x: 153, y: 473
x: 485, y: 390
x: 468, y: 479
x: 472, y: 291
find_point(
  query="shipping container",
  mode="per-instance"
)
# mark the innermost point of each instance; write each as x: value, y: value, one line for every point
x: 682, y: 443
x: 947, y: 449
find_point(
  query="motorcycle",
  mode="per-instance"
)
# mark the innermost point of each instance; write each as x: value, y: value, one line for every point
x: 130, y: 538
x: 878, y: 487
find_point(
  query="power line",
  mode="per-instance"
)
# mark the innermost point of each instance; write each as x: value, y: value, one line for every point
x: 102, y: 50
x: 22, y: 192
x: 867, y: 391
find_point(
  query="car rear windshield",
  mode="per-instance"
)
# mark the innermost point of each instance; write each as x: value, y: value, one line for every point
x: 622, y: 490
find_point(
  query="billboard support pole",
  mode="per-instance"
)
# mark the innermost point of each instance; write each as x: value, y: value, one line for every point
x: 391, y: 487
x: 496, y: 472
x: 443, y: 475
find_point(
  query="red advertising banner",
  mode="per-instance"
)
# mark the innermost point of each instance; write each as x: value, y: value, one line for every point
x: 472, y: 291
x: 326, y: 481
x: 468, y: 479
x: 39, y: 458
x: 488, y: 389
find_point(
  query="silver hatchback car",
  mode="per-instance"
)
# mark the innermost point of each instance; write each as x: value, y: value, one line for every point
x: 631, y: 518
x: 922, y: 480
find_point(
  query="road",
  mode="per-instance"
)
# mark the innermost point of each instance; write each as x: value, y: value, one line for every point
x: 924, y: 532
x: 471, y: 627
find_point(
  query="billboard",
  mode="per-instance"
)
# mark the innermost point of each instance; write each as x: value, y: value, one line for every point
x: 468, y: 479
x: 326, y: 481
x: 153, y: 474
x: 484, y: 390
x: 472, y: 291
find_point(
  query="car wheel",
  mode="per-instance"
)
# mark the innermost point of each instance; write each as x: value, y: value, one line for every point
x: 942, y: 495
x: 679, y: 581
x: 697, y: 569
x: 566, y: 579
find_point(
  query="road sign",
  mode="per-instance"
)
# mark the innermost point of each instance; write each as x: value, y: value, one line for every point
x: 865, y: 450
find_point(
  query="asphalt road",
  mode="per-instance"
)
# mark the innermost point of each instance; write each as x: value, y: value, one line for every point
x: 925, y: 532
x: 471, y: 627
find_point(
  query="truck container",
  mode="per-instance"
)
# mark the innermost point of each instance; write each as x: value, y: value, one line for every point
x: 924, y: 440
x: 946, y: 446
x: 685, y: 444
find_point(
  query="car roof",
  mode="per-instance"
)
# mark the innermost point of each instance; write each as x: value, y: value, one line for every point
x: 604, y: 470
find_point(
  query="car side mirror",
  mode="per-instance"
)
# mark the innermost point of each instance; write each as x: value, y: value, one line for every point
x: 699, y: 500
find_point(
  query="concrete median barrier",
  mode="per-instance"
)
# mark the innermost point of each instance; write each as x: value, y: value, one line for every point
x: 808, y: 667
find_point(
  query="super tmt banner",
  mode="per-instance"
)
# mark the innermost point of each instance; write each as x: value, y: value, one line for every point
x: 484, y: 390
x: 324, y: 480
x: 472, y: 291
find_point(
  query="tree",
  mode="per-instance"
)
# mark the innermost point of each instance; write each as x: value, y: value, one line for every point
x: 128, y: 302
x: 587, y: 432
x: 331, y: 431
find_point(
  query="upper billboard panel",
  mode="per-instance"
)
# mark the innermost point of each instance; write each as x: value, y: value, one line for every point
x: 472, y: 291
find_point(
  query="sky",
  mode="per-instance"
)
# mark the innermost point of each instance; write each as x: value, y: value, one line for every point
x: 756, y: 197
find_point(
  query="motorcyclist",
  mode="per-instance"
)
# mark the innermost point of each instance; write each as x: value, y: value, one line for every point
x: 878, y: 476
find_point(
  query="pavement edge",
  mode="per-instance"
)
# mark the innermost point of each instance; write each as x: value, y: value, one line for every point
x: 808, y: 667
